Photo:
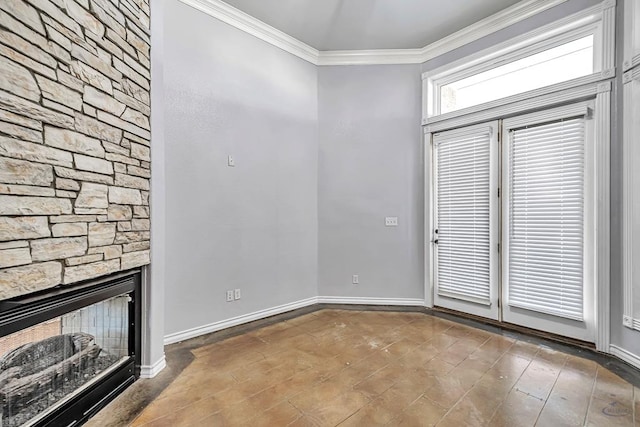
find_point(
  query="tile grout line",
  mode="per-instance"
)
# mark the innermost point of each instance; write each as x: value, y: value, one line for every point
x: 474, y: 385
x: 516, y: 382
x: 593, y: 388
x: 493, y: 414
x: 551, y: 390
x: 634, y: 418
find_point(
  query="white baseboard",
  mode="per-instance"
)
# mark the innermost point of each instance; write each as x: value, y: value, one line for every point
x: 257, y: 315
x: 150, y: 371
x: 625, y: 355
x: 235, y: 321
x: 371, y: 301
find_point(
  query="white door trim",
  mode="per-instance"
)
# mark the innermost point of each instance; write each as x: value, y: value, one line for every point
x: 602, y: 243
x: 428, y: 218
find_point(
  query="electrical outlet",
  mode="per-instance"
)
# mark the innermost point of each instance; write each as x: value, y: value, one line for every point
x: 229, y: 296
x: 237, y: 294
x: 355, y: 279
x: 391, y: 221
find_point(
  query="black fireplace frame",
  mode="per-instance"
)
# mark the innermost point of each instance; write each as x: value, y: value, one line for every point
x: 25, y: 311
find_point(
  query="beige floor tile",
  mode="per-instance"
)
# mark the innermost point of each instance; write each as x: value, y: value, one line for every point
x: 569, y: 400
x: 372, y: 414
x: 422, y: 412
x: 470, y: 370
x: 518, y: 409
x: 505, y: 372
x: 476, y: 408
x: 282, y: 414
x: 333, y: 411
x: 446, y: 391
x: 380, y: 381
x: 420, y: 356
x: 186, y: 416
x: 538, y: 379
x: 636, y: 393
x: 370, y: 368
x: 609, y: 413
x: 524, y: 350
x: 611, y: 387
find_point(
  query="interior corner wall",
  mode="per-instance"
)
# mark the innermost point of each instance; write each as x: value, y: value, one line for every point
x: 252, y: 226
x: 154, y: 276
x: 370, y: 167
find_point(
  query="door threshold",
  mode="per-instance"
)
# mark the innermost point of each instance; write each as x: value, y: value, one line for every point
x: 490, y: 325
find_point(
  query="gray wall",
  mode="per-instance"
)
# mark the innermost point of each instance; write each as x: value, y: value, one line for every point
x: 155, y: 275
x: 252, y: 226
x: 370, y: 166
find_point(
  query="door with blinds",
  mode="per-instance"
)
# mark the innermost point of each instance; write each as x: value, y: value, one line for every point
x: 465, y: 236
x: 547, y: 212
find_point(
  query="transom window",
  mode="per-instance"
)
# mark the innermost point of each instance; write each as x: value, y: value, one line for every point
x: 565, y: 62
x: 567, y: 53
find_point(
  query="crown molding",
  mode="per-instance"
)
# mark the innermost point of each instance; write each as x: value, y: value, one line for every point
x: 370, y: 57
x: 496, y: 22
x: 250, y: 25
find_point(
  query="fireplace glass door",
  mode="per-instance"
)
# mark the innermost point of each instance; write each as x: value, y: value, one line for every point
x: 49, y: 363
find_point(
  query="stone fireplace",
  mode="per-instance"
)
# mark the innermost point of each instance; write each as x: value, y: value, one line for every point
x: 74, y: 164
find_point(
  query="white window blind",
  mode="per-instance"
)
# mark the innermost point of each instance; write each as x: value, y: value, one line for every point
x: 463, y: 223
x: 546, y: 218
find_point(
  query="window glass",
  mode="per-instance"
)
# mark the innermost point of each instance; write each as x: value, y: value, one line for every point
x: 561, y: 63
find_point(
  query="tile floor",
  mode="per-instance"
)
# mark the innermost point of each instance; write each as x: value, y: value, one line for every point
x: 370, y: 368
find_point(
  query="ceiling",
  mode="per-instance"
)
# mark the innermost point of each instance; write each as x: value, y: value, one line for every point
x: 369, y: 24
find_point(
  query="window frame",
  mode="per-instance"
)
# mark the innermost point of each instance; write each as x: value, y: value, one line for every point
x: 598, y: 21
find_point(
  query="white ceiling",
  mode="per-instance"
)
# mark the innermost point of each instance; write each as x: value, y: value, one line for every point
x: 369, y: 24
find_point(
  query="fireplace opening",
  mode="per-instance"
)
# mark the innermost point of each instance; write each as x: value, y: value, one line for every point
x: 65, y: 353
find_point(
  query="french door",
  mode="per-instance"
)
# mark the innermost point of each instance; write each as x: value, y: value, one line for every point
x: 517, y: 249
x: 466, y: 213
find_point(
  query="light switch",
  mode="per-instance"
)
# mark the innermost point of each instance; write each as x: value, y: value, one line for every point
x: 231, y: 161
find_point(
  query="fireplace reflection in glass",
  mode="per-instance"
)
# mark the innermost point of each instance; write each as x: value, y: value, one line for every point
x: 46, y: 364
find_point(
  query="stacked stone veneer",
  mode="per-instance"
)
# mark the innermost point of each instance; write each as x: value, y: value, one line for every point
x: 74, y: 141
